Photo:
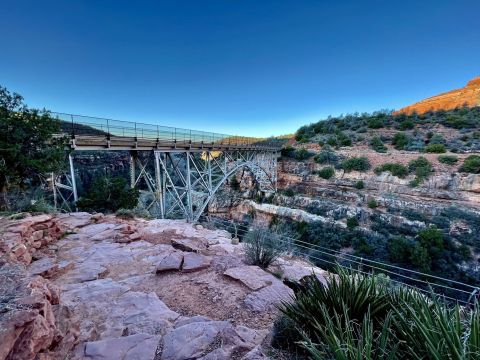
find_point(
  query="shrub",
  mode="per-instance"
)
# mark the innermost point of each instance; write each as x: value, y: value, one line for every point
x: 356, y: 164
x: 448, y: 159
x: 359, y: 185
x: 262, y: 247
x: 471, y: 165
x: 234, y: 184
x: 400, y: 140
x: 343, y: 140
x: 326, y: 172
x: 406, y: 125
x: 287, y: 151
x: 352, y: 222
x: 289, y: 192
x: 365, y: 317
x: 422, y: 169
x: 375, y: 123
x: 377, y: 144
x: 326, y: 156
x: 395, y: 169
x: 302, y: 154
x: 109, y: 194
x: 436, y: 139
x: 372, y: 204
x: 399, y: 249
x: 435, y: 148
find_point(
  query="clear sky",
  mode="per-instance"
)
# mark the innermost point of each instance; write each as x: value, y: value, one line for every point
x: 249, y: 67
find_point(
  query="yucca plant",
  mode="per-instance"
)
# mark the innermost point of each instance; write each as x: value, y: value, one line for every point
x: 433, y: 330
x: 364, y: 317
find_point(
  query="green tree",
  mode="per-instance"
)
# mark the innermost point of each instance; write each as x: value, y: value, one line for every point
x: 471, y: 164
x: 27, y: 145
x: 108, y: 194
x: 400, y: 140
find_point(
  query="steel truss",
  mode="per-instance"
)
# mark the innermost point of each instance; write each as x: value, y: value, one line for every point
x: 181, y: 183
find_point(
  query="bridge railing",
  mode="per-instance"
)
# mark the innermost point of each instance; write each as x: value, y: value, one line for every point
x: 79, y: 125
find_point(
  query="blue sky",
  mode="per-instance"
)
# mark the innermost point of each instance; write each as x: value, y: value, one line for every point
x: 245, y: 67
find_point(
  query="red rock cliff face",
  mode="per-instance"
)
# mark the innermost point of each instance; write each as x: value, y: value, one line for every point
x: 468, y: 95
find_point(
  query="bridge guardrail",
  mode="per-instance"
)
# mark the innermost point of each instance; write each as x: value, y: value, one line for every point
x: 79, y: 125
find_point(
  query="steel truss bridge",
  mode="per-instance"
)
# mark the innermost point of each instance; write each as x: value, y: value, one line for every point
x: 177, y: 170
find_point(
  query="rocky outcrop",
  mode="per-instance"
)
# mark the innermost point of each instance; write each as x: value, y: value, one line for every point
x: 466, y: 96
x: 20, y: 240
x: 175, y: 291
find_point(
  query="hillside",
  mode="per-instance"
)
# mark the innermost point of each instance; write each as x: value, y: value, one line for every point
x: 466, y: 96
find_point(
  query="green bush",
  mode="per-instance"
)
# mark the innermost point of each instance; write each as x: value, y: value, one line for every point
x: 372, y: 204
x: 471, y: 165
x: 359, y: 185
x: 406, y: 125
x: 377, y: 144
x: 289, y: 192
x: 356, y: 164
x: 352, y: 222
x: 448, y: 159
x: 400, y: 140
x: 395, y: 169
x: 326, y: 156
x: 399, y: 249
x: 422, y: 169
x: 109, y: 194
x: 435, y: 148
x: 234, y: 184
x: 262, y: 247
x: 326, y: 172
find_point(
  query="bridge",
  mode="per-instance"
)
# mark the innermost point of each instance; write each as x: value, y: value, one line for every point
x: 178, y: 170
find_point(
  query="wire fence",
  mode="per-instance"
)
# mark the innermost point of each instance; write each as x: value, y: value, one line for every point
x: 452, y: 290
x: 79, y: 125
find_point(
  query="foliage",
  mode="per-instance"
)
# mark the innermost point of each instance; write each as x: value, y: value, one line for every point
x: 406, y: 125
x: 359, y: 185
x: 435, y: 148
x: 234, y: 183
x: 298, y: 154
x: 365, y: 317
x: 352, y: 222
x: 289, y: 192
x: 377, y: 144
x: 262, y: 247
x: 27, y: 146
x: 471, y: 164
x: 372, y: 204
x: 448, y: 159
x: 109, y: 194
x: 396, y: 169
x: 326, y: 156
x: 326, y: 172
x: 421, y: 167
x: 356, y: 164
x: 399, y: 249
x: 400, y: 140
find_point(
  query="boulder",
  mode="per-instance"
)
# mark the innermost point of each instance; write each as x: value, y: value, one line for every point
x: 251, y: 276
x: 171, y: 262
x: 192, y: 340
x: 192, y: 245
x: 133, y: 347
x: 269, y: 297
x: 194, y: 262
x: 255, y: 354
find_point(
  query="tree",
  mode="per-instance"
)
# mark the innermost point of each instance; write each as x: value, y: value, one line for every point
x: 27, y: 145
x: 108, y: 194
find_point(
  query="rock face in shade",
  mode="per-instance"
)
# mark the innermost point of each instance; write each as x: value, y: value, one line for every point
x: 134, y: 347
x: 468, y: 95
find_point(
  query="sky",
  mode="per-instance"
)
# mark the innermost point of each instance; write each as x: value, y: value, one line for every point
x: 246, y: 67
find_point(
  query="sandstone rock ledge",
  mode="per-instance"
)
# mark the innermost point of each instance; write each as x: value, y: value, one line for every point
x: 101, y: 287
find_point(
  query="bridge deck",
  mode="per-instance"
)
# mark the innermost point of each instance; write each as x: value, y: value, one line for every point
x: 91, y: 133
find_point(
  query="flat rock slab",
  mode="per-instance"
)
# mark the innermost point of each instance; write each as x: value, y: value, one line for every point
x: 134, y: 347
x: 192, y: 245
x: 194, y: 262
x: 252, y: 276
x: 269, y: 297
x: 172, y: 262
x: 192, y: 340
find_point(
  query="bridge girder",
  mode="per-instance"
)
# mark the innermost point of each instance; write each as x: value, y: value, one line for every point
x: 180, y: 183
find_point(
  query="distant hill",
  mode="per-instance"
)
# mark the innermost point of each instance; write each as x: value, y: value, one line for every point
x: 468, y: 95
